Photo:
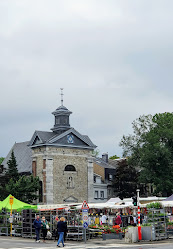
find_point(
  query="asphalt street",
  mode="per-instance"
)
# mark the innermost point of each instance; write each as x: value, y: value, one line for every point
x: 18, y: 243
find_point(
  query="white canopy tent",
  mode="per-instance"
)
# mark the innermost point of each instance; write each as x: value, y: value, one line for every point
x: 167, y: 203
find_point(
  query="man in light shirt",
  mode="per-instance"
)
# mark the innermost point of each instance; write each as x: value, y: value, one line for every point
x: 104, y: 219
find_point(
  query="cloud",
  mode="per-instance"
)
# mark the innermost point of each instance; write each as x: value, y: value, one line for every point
x: 113, y: 58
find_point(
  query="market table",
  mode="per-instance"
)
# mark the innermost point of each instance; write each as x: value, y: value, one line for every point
x: 93, y: 232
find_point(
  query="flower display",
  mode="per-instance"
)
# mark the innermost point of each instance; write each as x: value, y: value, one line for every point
x: 107, y: 229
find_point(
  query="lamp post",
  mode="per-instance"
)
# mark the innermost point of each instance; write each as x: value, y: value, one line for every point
x: 139, y: 222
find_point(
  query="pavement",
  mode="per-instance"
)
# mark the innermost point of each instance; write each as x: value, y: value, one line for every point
x: 26, y: 243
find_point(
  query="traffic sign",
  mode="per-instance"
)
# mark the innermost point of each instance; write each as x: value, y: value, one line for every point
x: 11, y: 219
x: 85, y: 224
x: 85, y: 208
x: 85, y: 216
x: 11, y: 200
x: 85, y: 205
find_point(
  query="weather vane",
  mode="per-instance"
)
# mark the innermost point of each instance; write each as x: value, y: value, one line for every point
x: 61, y: 95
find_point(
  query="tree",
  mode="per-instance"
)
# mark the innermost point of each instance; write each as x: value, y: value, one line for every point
x: 151, y: 149
x: 114, y: 157
x: 95, y: 153
x: 23, y: 187
x: 12, y: 171
x: 125, y: 182
x: 1, y: 159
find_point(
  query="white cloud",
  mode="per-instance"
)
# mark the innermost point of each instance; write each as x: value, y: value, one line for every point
x: 114, y: 59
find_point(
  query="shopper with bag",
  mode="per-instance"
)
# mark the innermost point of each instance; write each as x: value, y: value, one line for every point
x: 45, y: 227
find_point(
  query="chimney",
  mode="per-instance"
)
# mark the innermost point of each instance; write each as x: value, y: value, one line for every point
x: 105, y: 157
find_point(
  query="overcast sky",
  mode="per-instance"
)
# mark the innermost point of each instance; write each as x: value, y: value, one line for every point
x: 114, y: 59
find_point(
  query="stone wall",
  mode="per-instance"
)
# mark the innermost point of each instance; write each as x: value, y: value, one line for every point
x: 60, y: 185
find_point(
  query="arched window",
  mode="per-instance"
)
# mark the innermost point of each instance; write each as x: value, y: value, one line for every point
x: 70, y: 168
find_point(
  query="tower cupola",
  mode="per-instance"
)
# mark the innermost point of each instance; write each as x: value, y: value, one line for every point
x: 61, y: 118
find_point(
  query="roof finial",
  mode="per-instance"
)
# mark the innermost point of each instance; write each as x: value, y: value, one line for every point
x: 62, y: 96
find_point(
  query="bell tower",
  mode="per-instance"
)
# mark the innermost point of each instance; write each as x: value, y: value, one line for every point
x: 61, y: 117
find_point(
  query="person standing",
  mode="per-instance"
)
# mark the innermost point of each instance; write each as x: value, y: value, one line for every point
x: 118, y: 220
x: 44, y: 226
x: 61, y: 227
x: 104, y: 219
x: 55, y: 232
x: 37, y: 225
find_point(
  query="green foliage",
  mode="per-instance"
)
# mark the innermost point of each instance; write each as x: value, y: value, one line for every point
x: 95, y: 153
x: 114, y: 157
x: 155, y: 205
x: 23, y: 187
x: 125, y: 182
x: 170, y: 223
x: 146, y: 225
x: 1, y: 159
x: 12, y: 172
x: 151, y: 149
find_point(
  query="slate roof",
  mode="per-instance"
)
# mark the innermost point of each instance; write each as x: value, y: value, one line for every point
x: 23, y: 157
x: 51, y: 138
x: 102, y: 163
x: 61, y: 109
x: 45, y: 135
x: 113, y: 162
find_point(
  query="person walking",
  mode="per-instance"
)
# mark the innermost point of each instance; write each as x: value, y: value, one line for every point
x: 44, y: 227
x: 61, y: 227
x: 37, y: 225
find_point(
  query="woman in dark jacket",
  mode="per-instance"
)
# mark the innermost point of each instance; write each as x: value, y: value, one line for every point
x: 61, y: 227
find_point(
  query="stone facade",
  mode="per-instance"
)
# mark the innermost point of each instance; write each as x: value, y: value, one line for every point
x: 59, y: 185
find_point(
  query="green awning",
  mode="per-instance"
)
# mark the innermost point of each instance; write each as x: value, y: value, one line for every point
x: 17, y: 205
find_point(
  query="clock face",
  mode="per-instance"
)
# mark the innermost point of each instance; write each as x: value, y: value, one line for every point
x: 70, y: 139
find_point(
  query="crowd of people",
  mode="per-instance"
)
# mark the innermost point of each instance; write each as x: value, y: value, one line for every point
x: 59, y: 229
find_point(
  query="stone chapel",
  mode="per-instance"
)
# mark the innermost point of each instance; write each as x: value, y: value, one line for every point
x: 62, y: 158
x: 64, y: 162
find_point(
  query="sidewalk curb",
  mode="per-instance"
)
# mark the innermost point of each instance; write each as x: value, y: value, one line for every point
x: 93, y: 241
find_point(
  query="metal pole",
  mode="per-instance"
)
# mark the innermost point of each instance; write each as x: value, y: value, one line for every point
x: 139, y: 222
x: 85, y: 235
x: 11, y: 221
